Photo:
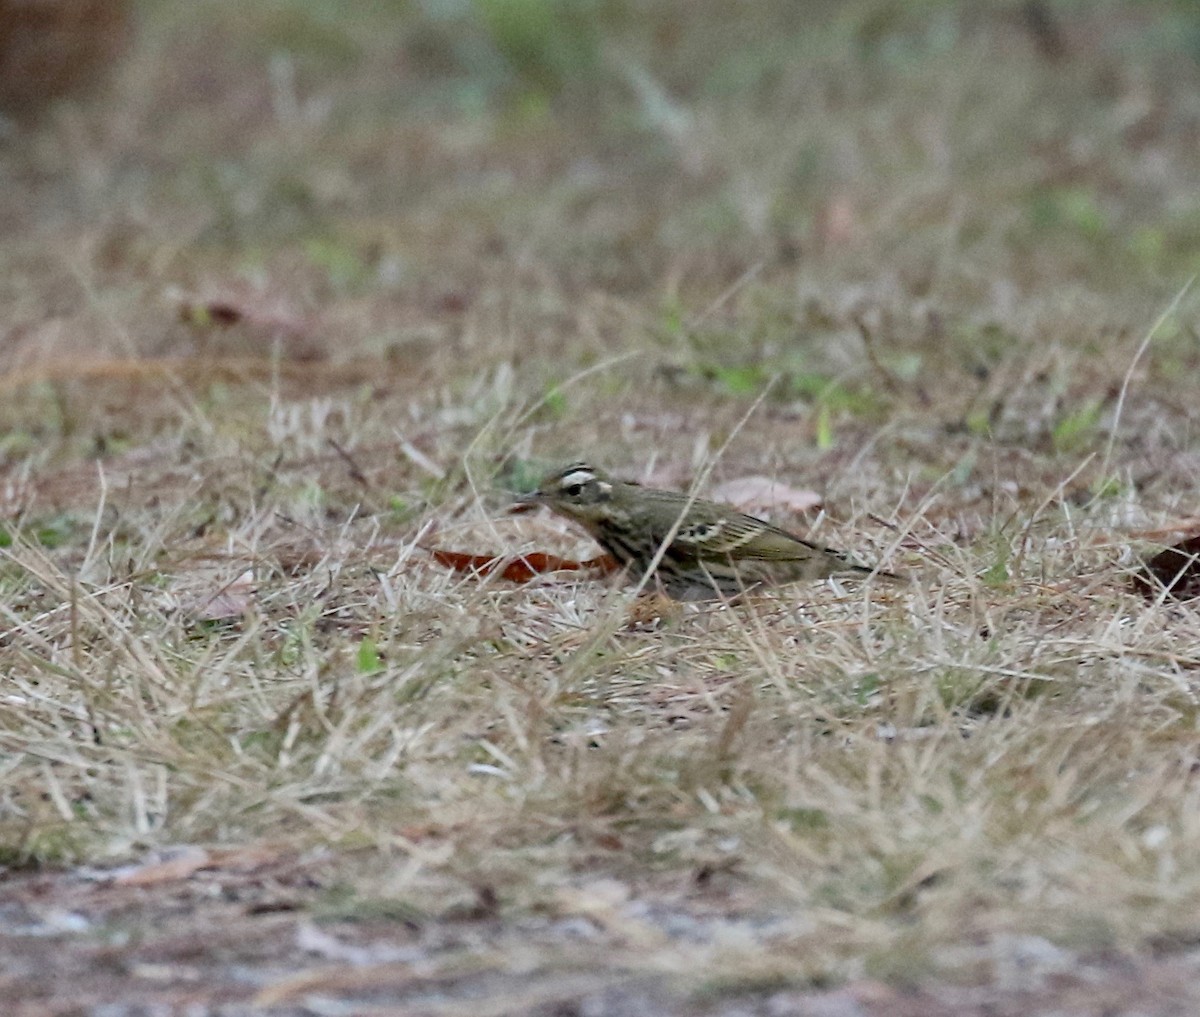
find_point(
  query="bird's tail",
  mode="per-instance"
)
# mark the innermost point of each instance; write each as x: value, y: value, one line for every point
x: 877, y: 573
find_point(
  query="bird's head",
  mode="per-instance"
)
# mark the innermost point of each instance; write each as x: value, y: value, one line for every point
x: 578, y: 491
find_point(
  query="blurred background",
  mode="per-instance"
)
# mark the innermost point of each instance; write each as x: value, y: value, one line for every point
x: 411, y: 190
x: 290, y: 289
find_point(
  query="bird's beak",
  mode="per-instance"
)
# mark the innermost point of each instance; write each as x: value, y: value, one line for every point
x: 526, y: 502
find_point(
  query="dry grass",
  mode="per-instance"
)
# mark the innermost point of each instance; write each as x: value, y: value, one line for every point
x: 948, y: 276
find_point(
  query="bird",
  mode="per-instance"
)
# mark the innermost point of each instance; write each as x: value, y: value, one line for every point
x: 709, y: 550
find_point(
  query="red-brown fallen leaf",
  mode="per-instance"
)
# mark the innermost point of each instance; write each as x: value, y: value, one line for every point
x: 1175, y: 570
x: 518, y: 568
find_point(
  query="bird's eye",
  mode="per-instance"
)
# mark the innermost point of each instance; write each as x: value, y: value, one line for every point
x: 573, y: 490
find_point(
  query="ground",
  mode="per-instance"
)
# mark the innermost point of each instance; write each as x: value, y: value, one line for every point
x: 292, y: 295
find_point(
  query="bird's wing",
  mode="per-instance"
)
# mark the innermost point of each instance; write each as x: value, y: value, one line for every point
x: 715, y: 535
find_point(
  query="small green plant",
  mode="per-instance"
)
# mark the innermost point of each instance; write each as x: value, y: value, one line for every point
x: 554, y: 402
x: 1076, y: 429
x: 344, y: 265
x: 52, y: 532
x: 996, y: 575
x: 1074, y: 207
x: 368, y: 660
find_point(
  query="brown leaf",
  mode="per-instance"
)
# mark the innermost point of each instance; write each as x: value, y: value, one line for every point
x: 837, y: 222
x: 212, y: 312
x: 1175, y: 570
x: 228, y: 603
x: 224, y: 313
x: 57, y: 47
x: 762, y: 495
x: 257, y: 318
x: 650, y: 610
x: 517, y: 568
x: 453, y: 301
x: 1159, y: 534
x: 181, y: 865
x: 183, y: 862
